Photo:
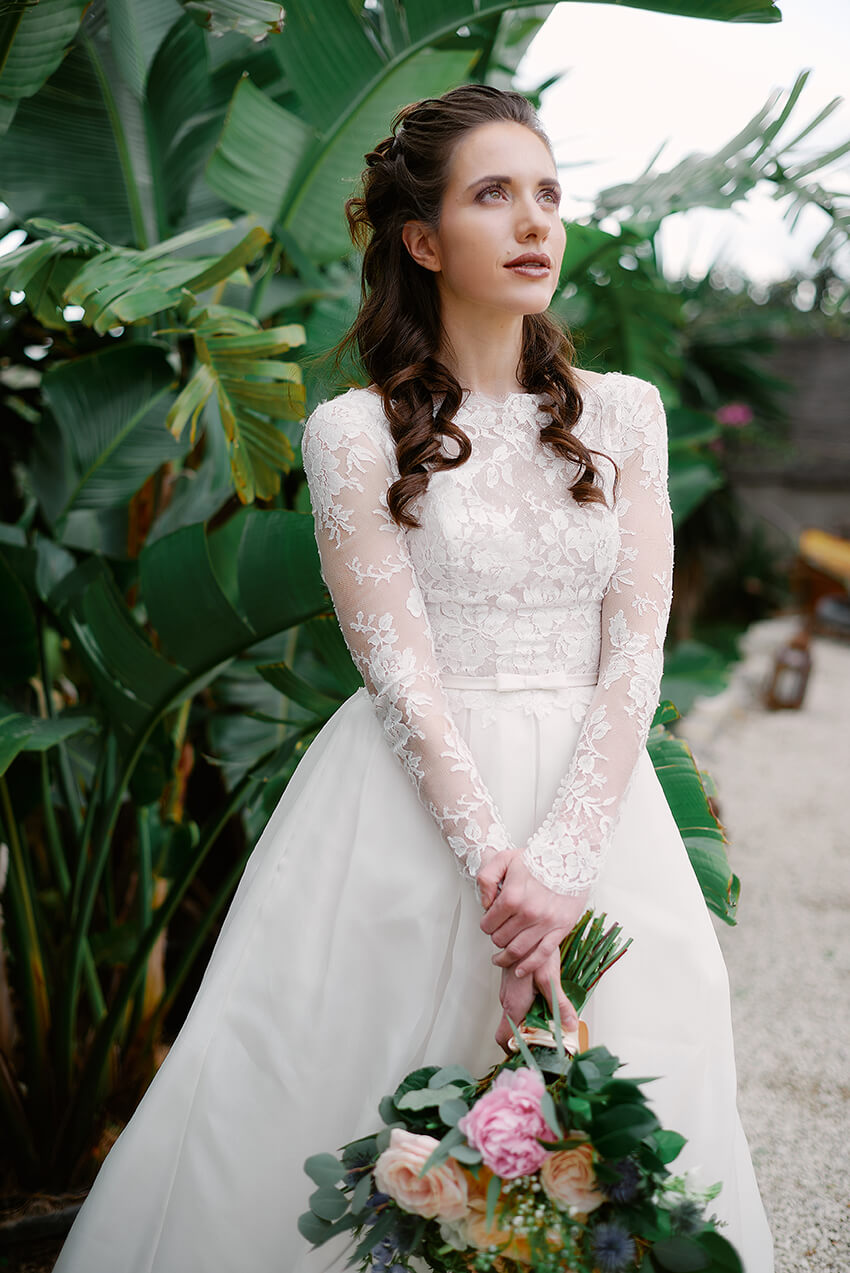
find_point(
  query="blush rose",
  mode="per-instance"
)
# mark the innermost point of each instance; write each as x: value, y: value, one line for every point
x: 570, y: 1181
x: 503, y: 1123
x: 438, y: 1195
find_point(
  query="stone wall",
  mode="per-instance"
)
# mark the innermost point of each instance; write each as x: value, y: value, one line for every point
x: 807, y: 483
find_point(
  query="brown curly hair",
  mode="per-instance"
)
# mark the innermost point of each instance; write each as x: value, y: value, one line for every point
x: 398, y: 329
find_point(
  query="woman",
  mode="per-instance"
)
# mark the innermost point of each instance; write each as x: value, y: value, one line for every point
x: 495, y: 533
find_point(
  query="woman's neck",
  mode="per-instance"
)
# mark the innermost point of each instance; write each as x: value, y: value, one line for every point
x: 483, y: 351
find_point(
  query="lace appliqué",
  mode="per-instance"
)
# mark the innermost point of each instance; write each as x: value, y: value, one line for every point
x: 507, y: 573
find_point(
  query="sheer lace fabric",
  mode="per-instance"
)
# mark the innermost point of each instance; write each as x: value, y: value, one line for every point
x: 507, y: 574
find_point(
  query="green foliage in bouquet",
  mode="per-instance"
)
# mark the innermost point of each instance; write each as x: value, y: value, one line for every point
x: 549, y: 1162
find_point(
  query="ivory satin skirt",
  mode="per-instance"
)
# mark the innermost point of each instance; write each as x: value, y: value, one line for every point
x: 351, y: 954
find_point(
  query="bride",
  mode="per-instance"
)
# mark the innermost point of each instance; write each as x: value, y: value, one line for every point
x: 495, y: 533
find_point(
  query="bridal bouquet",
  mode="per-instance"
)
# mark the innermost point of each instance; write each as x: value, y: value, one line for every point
x: 548, y: 1163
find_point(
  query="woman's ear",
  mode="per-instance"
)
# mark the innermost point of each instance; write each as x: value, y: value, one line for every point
x: 418, y: 240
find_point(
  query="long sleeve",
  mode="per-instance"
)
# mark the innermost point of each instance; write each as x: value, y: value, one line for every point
x: 377, y: 599
x: 567, y: 851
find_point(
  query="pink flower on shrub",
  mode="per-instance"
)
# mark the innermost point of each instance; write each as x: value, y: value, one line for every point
x: 734, y: 414
x: 504, y: 1122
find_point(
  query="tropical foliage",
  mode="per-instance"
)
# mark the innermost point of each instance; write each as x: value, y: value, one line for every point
x: 164, y: 629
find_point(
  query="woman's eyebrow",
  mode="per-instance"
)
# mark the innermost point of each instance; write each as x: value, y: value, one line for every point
x: 508, y: 181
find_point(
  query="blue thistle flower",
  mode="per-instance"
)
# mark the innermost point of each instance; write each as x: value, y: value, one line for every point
x: 376, y: 1200
x: 687, y: 1217
x: 625, y: 1189
x: 613, y: 1247
x: 381, y: 1255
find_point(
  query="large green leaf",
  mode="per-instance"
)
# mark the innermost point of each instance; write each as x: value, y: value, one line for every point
x: 257, y: 156
x: 110, y: 408
x: 89, y: 147
x: 33, y: 39
x: 693, y: 476
x: 73, y: 156
x: 184, y: 119
x: 701, y: 832
x: 122, y: 285
x: 250, y: 17
x: 136, y: 31
x: 254, y: 391
x: 278, y: 585
x: 20, y: 732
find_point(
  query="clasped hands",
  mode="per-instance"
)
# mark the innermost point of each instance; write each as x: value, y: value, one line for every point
x: 528, y: 922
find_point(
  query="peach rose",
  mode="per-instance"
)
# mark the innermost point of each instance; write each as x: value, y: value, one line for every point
x: 477, y: 1233
x: 568, y: 1177
x: 440, y: 1194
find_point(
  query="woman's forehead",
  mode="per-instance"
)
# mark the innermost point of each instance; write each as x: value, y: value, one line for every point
x: 501, y: 148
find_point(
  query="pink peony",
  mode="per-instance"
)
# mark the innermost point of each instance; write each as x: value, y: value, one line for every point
x: 440, y: 1194
x: 504, y: 1122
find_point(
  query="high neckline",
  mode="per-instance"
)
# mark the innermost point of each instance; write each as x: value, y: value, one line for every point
x: 518, y: 394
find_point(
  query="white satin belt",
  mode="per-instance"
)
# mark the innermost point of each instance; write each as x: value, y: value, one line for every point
x: 555, y: 679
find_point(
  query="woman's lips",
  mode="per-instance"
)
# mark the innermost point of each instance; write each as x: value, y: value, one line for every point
x: 529, y: 269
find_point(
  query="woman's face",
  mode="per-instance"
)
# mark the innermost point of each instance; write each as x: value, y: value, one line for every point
x: 500, y: 205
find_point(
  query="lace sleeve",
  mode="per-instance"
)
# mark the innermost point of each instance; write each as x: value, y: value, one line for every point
x: 378, y: 602
x: 567, y: 851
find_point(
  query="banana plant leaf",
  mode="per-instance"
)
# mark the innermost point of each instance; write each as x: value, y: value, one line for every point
x: 684, y: 787
x: 21, y: 732
x: 110, y: 409
x: 254, y: 392
x: 33, y: 39
x: 137, y: 31
x: 88, y: 147
x: 279, y: 586
x: 255, y: 18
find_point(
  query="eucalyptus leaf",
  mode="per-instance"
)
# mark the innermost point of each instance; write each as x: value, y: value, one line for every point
x: 428, y: 1098
x: 328, y: 1203
x: 452, y: 1111
x: 324, y: 1169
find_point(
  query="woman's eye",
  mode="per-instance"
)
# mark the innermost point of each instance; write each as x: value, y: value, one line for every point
x: 553, y: 195
x: 491, y: 190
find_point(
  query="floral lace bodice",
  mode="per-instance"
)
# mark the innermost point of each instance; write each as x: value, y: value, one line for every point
x: 507, y: 574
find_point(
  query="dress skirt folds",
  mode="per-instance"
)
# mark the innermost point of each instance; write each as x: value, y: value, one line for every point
x: 352, y: 953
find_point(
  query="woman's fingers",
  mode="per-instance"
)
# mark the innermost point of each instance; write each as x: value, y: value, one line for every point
x: 491, y: 875
x: 543, y: 981
x: 516, y: 996
x: 525, y: 942
x: 539, y: 956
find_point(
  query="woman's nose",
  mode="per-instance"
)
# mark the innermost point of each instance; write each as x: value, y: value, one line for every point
x: 531, y: 217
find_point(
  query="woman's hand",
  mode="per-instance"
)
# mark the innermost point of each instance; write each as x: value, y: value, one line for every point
x: 527, y: 920
x: 517, y: 994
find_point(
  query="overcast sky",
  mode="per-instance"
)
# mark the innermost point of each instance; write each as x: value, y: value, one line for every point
x: 634, y: 79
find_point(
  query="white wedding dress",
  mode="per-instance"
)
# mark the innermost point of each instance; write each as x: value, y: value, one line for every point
x: 511, y: 650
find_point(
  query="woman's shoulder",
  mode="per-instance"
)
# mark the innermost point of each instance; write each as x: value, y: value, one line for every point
x: 634, y: 413
x: 353, y: 412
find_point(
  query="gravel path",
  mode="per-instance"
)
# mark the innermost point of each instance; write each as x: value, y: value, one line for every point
x: 783, y: 779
